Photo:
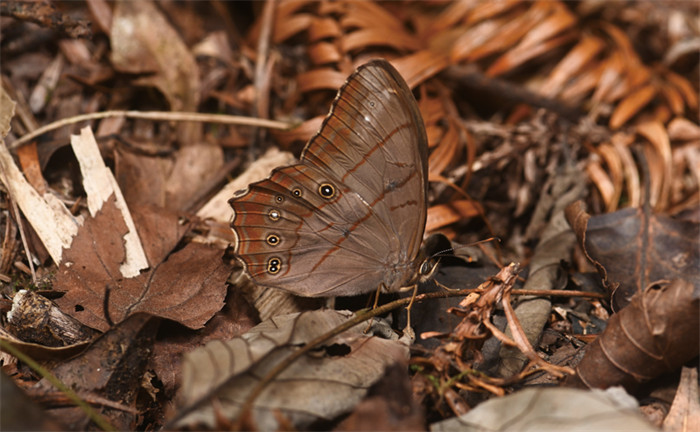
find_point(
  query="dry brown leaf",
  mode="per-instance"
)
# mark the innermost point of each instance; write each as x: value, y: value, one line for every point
x: 507, y: 31
x: 442, y: 215
x: 236, y: 318
x: 418, y: 67
x: 324, y: 28
x: 611, y: 77
x: 301, y: 133
x: 286, y: 27
x: 631, y: 105
x: 615, y: 170
x: 488, y: 10
x: 160, y: 230
x: 321, y: 385
x: 660, y: 164
x: 673, y: 98
x: 577, y: 91
x: 473, y: 43
x: 447, y: 152
x: 141, y: 178
x: 621, y: 143
x: 31, y: 168
x: 324, y: 53
x: 522, y: 53
x: 111, y: 369
x: 381, y: 36
x: 101, y: 14
x: 571, y: 65
x: 450, y: 16
x: 194, y: 168
x: 602, y: 181
x: 320, y: 79
x: 689, y: 93
x: 656, y: 333
x: 188, y: 287
x: 143, y: 41
x: 632, y: 250
x: 681, y: 129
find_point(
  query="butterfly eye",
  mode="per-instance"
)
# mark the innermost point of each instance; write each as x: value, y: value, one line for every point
x: 426, y: 268
x: 273, y: 240
x: 326, y: 190
x: 273, y: 265
x: 274, y: 215
x: 296, y: 192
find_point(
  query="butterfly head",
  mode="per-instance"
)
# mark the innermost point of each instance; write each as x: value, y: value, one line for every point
x: 427, y: 269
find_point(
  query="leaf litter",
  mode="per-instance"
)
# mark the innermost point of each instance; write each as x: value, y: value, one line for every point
x: 497, y: 84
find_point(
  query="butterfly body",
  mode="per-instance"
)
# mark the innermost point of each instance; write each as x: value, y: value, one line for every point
x: 349, y: 217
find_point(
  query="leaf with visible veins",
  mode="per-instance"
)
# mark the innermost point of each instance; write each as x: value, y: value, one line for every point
x: 187, y: 287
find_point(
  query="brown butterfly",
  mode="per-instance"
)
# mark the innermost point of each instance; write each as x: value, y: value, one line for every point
x: 349, y: 217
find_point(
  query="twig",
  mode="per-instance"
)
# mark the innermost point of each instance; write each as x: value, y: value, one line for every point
x: 15, y: 209
x: 153, y: 115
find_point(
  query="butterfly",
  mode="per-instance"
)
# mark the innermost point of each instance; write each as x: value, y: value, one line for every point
x: 349, y: 217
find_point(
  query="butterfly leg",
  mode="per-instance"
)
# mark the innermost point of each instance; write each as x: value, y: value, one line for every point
x: 376, y: 302
x: 408, y: 308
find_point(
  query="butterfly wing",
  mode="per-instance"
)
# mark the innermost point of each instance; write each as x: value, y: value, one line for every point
x: 351, y: 215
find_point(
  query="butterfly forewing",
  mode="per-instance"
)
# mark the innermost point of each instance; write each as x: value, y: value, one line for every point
x: 350, y: 216
x: 374, y: 141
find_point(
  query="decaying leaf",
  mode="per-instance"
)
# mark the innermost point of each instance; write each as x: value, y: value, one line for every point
x: 100, y: 184
x: 656, y: 333
x: 144, y: 42
x: 631, y: 249
x: 95, y: 289
x: 110, y: 369
x: 41, y: 352
x: 319, y: 386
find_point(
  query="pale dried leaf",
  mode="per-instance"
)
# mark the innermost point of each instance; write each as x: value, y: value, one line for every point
x: 7, y: 111
x: 218, y: 207
x: 552, y: 409
x: 195, y: 165
x: 52, y: 222
x: 317, y: 386
x: 143, y: 41
x: 685, y: 410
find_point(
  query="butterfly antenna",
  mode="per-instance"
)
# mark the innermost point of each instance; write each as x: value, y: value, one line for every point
x: 444, y: 251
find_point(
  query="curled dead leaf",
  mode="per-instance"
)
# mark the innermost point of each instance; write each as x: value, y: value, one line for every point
x: 656, y: 333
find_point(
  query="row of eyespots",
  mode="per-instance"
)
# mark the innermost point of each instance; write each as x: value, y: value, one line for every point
x: 274, y: 264
x: 325, y: 190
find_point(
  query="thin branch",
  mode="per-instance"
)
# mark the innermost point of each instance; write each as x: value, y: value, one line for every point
x: 153, y: 115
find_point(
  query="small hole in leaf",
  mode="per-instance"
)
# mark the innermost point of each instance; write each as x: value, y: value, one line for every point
x: 338, y: 350
x: 79, y: 308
